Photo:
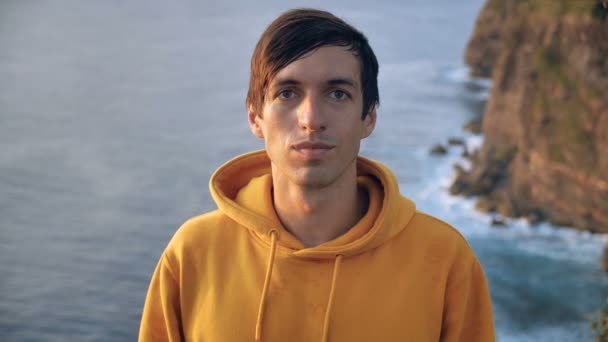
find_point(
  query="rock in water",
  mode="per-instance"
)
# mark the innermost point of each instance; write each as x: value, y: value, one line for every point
x: 438, y: 150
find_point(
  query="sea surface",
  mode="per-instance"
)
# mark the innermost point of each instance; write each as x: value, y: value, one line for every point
x: 113, y: 115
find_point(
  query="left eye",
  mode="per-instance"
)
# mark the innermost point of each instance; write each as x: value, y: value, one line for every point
x: 338, y: 94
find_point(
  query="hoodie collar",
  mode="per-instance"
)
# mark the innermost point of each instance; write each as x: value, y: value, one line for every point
x: 242, y: 190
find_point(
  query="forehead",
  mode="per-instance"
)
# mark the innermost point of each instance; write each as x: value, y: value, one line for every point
x: 322, y: 65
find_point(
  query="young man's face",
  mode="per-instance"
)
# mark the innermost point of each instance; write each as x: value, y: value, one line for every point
x: 311, y: 118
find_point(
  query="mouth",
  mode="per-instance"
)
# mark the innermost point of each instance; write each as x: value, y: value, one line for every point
x: 312, y: 145
x: 312, y: 149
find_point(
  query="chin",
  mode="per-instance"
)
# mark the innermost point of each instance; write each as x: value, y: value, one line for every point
x: 314, y: 179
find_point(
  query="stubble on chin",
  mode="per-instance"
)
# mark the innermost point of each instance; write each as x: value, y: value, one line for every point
x: 310, y: 177
x: 317, y: 174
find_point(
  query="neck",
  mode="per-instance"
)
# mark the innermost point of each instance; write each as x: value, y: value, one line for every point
x: 315, y: 215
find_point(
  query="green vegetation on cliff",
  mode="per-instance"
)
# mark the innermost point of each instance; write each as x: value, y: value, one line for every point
x: 548, y: 8
x: 571, y: 132
x: 599, y: 324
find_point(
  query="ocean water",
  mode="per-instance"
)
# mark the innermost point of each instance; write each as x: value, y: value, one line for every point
x: 114, y: 114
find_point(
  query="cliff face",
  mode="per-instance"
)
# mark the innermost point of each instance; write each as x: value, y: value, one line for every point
x: 545, y: 153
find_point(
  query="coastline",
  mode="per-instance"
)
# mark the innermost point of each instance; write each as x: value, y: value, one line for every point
x: 544, y: 121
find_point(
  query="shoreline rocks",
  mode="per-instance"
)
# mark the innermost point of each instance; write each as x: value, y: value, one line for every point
x: 473, y: 126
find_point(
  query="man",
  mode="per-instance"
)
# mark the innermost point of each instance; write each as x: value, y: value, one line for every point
x: 310, y: 241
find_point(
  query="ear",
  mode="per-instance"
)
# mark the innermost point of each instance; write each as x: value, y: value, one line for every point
x: 369, y: 123
x: 254, y: 122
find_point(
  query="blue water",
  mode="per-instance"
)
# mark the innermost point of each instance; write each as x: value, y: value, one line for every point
x: 114, y: 114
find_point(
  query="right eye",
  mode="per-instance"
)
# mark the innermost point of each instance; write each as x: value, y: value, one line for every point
x: 286, y: 94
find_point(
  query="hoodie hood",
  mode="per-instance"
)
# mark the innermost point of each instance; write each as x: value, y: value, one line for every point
x: 242, y: 189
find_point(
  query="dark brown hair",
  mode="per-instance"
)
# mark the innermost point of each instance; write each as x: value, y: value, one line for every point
x: 297, y: 32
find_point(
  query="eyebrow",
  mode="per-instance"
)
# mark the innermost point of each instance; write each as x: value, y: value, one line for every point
x: 333, y: 81
x: 283, y: 82
x: 343, y: 81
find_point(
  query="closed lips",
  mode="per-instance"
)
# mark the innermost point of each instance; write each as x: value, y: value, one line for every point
x: 312, y: 146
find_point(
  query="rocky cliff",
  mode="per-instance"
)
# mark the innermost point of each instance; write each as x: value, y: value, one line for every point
x: 545, y: 126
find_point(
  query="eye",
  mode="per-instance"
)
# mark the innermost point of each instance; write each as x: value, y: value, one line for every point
x: 286, y: 94
x: 338, y: 94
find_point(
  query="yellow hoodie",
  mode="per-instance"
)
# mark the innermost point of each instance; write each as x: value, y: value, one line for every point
x: 235, y: 274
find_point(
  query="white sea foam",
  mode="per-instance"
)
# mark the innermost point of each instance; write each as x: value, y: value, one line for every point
x: 479, y: 87
x: 558, y: 243
x: 566, y: 332
x: 462, y: 75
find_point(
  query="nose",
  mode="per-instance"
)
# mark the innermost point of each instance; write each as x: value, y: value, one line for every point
x: 310, y: 114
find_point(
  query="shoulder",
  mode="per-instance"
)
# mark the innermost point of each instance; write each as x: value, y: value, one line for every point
x: 435, y: 226
x: 438, y: 236
x: 197, y: 234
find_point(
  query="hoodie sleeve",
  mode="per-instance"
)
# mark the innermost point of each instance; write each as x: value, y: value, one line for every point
x: 161, y: 318
x: 468, y: 308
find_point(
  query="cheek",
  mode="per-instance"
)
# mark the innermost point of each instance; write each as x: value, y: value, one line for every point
x: 279, y: 125
x: 355, y: 130
x: 276, y: 133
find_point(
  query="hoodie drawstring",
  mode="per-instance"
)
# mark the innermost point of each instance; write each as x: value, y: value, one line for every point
x: 273, y: 248
x: 331, y: 298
